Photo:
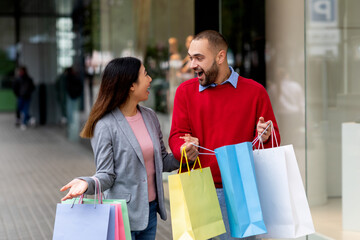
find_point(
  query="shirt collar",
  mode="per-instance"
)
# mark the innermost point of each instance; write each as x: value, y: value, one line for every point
x: 233, y: 79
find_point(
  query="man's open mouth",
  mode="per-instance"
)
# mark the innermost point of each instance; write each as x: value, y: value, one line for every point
x: 200, y: 74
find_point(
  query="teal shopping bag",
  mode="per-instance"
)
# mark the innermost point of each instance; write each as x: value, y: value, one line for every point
x: 236, y: 163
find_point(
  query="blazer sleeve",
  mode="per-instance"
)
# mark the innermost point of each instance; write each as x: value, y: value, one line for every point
x: 104, y: 159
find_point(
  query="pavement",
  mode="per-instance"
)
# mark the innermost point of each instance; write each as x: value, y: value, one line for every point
x: 35, y: 164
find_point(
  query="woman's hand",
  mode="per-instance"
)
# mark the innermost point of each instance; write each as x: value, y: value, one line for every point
x: 77, y: 188
x: 191, y: 150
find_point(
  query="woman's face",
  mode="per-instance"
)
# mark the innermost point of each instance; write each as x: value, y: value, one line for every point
x: 140, y: 89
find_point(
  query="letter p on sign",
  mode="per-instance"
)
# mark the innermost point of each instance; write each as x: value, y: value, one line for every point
x: 323, y: 12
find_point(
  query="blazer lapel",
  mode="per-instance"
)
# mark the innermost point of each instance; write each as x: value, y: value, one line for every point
x: 154, y: 135
x: 128, y: 132
x: 153, y: 132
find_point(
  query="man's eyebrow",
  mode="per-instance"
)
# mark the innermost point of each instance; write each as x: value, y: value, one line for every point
x: 195, y: 55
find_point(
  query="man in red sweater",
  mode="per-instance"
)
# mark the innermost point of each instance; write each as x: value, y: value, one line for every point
x: 217, y: 108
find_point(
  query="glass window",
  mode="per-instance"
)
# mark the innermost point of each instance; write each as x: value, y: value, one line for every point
x: 333, y: 107
x: 156, y: 33
x: 37, y: 6
x: 243, y: 25
x: 7, y: 6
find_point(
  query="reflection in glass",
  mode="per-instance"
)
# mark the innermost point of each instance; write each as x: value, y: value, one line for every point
x: 332, y: 99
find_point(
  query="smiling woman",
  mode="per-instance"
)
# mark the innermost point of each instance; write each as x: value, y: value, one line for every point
x: 127, y: 142
x: 140, y: 89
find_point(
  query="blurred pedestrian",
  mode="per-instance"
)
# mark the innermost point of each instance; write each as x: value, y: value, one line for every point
x: 62, y: 95
x: 173, y: 74
x: 186, y: 71
x: 74, y: 90
x: 130, y: 155
x: 23, y: 88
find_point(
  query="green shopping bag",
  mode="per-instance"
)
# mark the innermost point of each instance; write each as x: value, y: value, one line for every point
x: 194, y: 206
x: 124, y: 210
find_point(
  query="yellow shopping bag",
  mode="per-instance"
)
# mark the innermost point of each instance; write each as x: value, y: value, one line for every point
x: 194, y: 206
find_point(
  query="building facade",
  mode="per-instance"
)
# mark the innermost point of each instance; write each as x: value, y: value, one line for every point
x: 305, y: 52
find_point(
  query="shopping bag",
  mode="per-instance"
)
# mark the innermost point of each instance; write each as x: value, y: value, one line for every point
x: 119, y: 226
x: 236, y: 165
x: 112, y: 224
x: 122, y: 212
x: 79, y: 221
x: 121, y: 219
x: 123, y: 216
x: 194, y: 206
x: 282, y: 194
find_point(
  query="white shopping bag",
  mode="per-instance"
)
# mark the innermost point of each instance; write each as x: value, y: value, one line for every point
x: 282, y: 195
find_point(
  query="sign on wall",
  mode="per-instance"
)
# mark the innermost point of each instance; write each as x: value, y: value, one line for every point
x: 323, y: 13
x: 323, y: 35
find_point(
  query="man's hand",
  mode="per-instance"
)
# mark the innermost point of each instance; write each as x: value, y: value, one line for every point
x: 77, y: 187
x: 191, y: 151
x: 261, y: 125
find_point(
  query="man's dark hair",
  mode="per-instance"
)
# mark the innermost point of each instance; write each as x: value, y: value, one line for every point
x: 215, y: 39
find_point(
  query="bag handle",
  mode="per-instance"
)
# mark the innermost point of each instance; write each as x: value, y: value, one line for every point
x: 183, y: 153
x: 212, y: 152
x: 98, y: 189
x: 273, y: 136
x: 98, y: 193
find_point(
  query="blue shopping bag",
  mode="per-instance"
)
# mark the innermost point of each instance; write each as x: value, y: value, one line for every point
x: 82, y: 221
x: 236, y: 163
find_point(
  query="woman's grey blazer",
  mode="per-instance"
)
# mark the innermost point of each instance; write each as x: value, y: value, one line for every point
x: 120, y: 165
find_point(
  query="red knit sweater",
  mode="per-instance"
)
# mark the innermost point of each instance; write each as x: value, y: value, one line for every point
x: 219, y: 116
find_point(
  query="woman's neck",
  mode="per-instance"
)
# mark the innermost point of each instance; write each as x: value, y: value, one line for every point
x: 129, y: 109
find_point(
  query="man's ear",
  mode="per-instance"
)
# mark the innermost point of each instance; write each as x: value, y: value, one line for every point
x: 221, y: 56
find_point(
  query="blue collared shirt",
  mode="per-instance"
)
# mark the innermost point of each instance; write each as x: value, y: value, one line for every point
x: 233, y: 79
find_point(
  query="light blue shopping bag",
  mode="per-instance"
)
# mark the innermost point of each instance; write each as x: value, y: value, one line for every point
x: 82, y: 221
x: 236, y: 163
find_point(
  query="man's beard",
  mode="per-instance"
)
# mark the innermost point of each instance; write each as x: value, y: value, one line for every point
x: 210, y: 75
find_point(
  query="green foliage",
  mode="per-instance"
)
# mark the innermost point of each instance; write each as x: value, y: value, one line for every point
x: 156, y: 64
x: 155, y: 58
x: 7, y: 69
x: 7, y: 66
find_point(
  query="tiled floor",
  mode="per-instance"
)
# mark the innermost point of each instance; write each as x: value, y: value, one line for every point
x: 328, y: 221
x: 35, y: 163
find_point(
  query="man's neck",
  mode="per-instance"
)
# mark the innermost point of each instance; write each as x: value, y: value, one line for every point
x: 223, y: 76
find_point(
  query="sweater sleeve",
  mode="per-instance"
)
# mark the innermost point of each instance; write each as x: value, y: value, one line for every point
x: 264, y: 109
x: 180, y: 122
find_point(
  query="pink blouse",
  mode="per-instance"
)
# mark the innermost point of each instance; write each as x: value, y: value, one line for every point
x: 137, y: 124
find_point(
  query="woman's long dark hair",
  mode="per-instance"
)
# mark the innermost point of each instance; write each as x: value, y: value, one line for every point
x: 117, y: 79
